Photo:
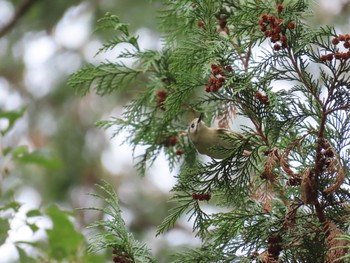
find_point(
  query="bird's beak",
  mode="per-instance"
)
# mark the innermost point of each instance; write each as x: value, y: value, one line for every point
x: 200, y: 118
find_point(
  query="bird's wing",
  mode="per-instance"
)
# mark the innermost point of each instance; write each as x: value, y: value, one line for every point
x: 230, y: 133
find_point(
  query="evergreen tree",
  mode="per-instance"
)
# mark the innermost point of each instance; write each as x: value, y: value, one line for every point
x: 287, y: 199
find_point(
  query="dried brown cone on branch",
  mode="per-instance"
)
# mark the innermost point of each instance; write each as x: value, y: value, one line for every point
x: 309, y: 187
x: 337, y: 247
x: 290, y: 218
x: 265, y: 257
x: 265, y: 195
x: 274, y: 246
x: 285, y: 164
x: 334, y: 168
x: 273, y: 158
x: 294, y: 180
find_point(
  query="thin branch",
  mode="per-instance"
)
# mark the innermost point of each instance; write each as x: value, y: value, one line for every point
x: 260, y: 132
x: 343, y: 107
x: 236, y: 47
x: 21, y: 10
x: 247, y: 57
x: 336, y: 76
x: 302, y: 77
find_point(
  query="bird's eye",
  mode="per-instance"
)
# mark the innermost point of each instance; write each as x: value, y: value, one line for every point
x: 192, y: 125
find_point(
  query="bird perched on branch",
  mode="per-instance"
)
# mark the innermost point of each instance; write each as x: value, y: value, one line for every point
x: 213, y: 142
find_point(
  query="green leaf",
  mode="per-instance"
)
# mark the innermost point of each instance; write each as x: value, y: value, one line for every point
x: 39, y: 157
x: 33, y: 227
x: 5, y: 227
x: 20, y: 151
x: 12, y: 117
x: 23, y: 257
x: 12, y: 205
x: 34, y: 213
x: 64, y: 241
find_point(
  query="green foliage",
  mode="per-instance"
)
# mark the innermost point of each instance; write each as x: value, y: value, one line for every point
x: 43, y: 158
x: 60, y: 247
x: 107, y: 77
x: 11, y: 117
x: 110, y: 21
x: 64, y: 242
x: 21, y: 153
x: 281, y: 192
x: 112, y: 232
x: 5, y: 226
x: 23, y: 257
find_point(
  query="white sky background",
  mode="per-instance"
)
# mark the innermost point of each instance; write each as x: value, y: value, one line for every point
x: 45, y: 63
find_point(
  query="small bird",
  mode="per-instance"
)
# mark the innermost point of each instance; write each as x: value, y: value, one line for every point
x: 211, y: 141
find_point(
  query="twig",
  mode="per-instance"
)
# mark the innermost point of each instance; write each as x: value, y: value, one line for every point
x: 302, y: 77
x: 21, y: 10
x: 343, y: 107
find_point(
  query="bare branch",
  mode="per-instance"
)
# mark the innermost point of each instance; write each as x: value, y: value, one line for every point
x: 21, y: 10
